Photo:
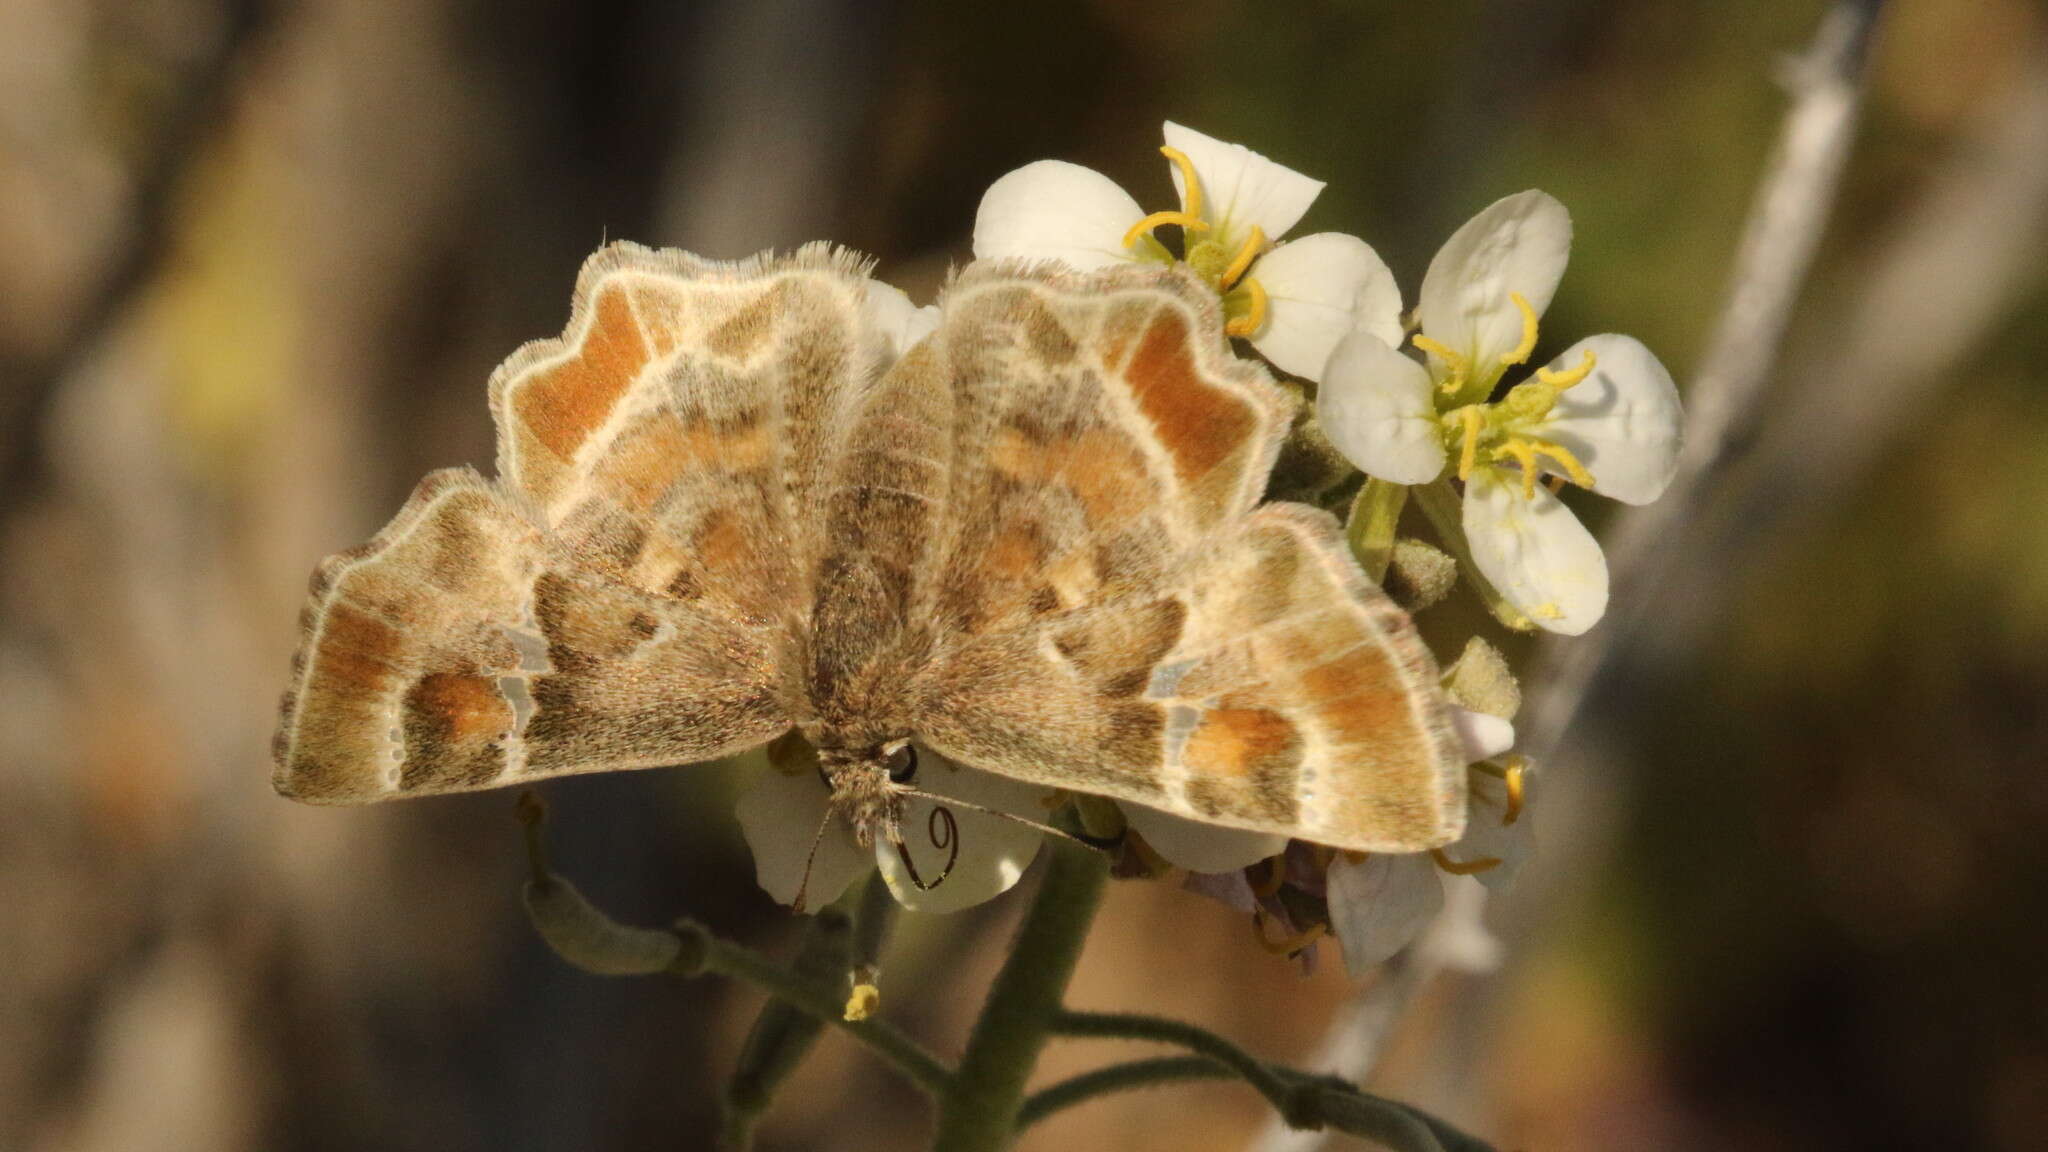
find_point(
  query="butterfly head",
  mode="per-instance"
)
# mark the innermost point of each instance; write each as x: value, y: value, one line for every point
x: 869, y: 785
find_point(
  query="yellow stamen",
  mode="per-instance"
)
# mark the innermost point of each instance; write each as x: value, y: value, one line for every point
x: 1254, y: 319
x: 1565, y: 460
x: 1187, y: 222
x: 1570, y: 376
x: 1468, y: 455
x: 1454, y: 364
x: 1254, y: 244
x: 1287, y: 945
x: 1468, y: 868
x: 866, y: 998
x: 1528, y: 343
x: 1270, y: 886
x: 1513, y: 779
x: 1191, y: 199
x: 1523, y: 453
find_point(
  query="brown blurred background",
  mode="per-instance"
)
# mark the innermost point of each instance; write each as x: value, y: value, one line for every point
x: 260, y: 256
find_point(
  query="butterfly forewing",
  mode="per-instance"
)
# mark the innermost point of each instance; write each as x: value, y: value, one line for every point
x: 1117, y: 619
x: 630, y: 592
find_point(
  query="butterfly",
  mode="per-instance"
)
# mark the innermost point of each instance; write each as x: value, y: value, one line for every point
x: 727, y: 509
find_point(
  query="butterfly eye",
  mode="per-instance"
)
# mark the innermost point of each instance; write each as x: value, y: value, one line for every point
x: 903, y: 763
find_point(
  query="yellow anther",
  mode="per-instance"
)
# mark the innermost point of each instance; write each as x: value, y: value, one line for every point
x: 1254, y: 318
x: 1270, y: 886
x: 1254, y: 244
x: 1528, y: 451
x: 866, y: 998
x: 1187, y: 222
x: 1454, y: 364
x: 1528, y: 343
x: 1523, y: 453
x: 1191, y: 196
x: 1512, y: 772
x: 1467, y: 868
x: 1287, y: 945
x: 1570, y: 376
x: 1565, y: 459
x: 1468, y: 455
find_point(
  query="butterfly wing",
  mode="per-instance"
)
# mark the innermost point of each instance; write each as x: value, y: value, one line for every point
x: 1118, y: 619
x: 633, y: 589
x: 676, y: 435
x: 460, y: 649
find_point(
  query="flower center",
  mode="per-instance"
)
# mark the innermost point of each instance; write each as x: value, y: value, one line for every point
x: 1494, y: 432
x: 1221, y: 260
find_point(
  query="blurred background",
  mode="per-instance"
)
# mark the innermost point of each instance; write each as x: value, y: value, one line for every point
x: 260, y: 256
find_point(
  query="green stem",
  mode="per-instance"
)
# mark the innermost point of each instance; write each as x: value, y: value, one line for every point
x: 1302, y: 1099
x: 580, y: 933
x: 1118, y: 1078
x: 979, y: 1112
x: 1164, y: 1030
x: 704, y: 953
x: 783, y: 1034
x: 1374, y: 514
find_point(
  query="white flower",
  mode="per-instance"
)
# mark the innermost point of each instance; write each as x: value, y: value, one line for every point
x: 1603, y: 415
x: 1197, y: 846
x: 899, y: 322
x: 1293, y: 301
x: 1379, y: 903
x: 781, y: 810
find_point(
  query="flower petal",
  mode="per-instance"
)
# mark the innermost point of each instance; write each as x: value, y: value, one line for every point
x: 1484, y: 736
x: 779, y: 814
x: 1053, y: 210
x: 1200, y: 847
x: 1319, y: 289
x: 1534, y: 552
x: 890, y: 313
x: 1623, y: 422
x: 1241, y: 188
x: 1381, y: 903
x: 1379, y: 408
x: 1517, y: 244
x: 994, y: 852
x: 1487, y: 832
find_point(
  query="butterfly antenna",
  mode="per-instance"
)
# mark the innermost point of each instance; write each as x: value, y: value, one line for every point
x: 945, y: 833
x: 1012, y: 817
x: 817, y: 838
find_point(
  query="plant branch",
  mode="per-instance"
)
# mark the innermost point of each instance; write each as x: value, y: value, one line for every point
x: 783, y: 1034
x: 1786, y: 221
x: 580, y: 933
x: 1304, y: 1101
x: 1118, y: 1078
x: 1165, y: 1030
x: 980, y: 1110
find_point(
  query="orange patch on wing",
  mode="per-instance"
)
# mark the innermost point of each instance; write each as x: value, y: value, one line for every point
x: 1098, y: 464
x: 722, y: 542
x: 1234, y: 743
x: 564, y: 404
x: 459, y: 708
x: 1200, y: 424
x: 1013, y: 555
x: 356, y: 652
